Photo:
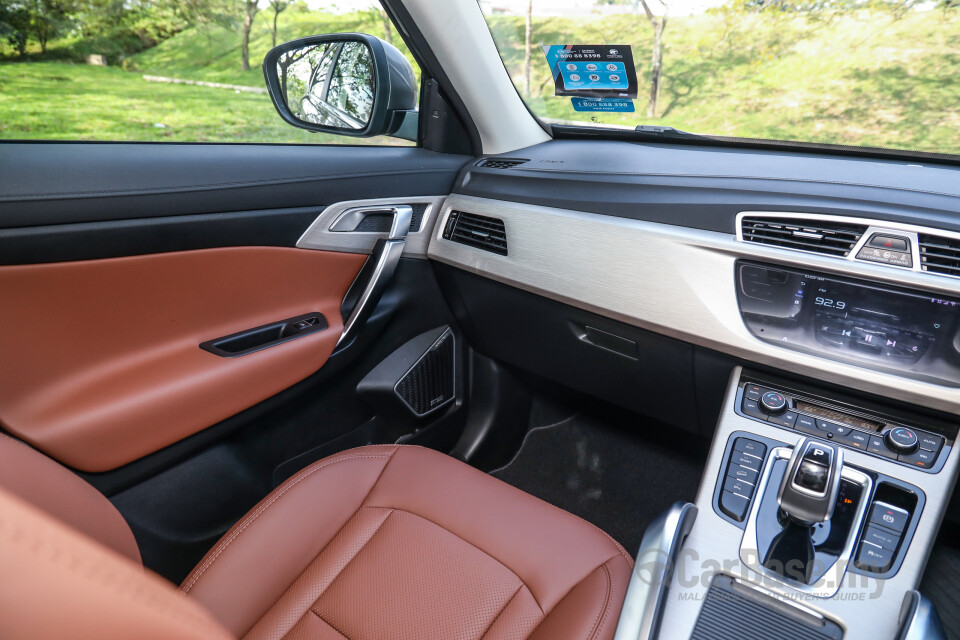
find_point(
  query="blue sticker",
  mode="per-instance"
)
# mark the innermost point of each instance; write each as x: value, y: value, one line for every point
x: 609, y: 105
x: 595, y: 71
x: 594, y: 75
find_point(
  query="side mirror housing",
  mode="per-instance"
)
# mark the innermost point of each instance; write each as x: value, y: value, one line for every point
x: 351, y: 84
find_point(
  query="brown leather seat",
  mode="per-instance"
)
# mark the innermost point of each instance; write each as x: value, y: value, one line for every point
x: 404, y: 542
x: 46, y: 484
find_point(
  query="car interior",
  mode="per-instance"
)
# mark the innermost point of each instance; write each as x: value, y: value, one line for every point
x: 515, y: 380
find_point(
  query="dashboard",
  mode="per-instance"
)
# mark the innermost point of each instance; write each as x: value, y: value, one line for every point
x: 669, y: 255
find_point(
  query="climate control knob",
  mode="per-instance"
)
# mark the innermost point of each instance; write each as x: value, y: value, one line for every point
x: 901, y: 440
x: 773, y: 402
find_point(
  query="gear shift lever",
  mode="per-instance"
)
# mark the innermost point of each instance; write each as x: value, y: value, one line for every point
x: 809, y: 489
x: 807, y: 497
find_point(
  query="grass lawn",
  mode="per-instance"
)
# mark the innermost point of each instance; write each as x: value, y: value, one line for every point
x: 63, y: 101
x: 861, y: 79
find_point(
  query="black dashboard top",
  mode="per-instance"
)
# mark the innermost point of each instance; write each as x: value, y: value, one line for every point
x: 705, y: 187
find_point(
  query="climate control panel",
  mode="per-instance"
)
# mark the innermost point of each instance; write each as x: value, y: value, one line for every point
x: 902, y: 443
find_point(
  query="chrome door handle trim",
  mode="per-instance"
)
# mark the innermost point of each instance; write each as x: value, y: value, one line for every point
x: 349, y: 220
x: 386, y: 255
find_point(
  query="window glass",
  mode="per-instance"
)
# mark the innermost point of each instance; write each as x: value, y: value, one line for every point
x: 168, y: 70
x: 878, y: 73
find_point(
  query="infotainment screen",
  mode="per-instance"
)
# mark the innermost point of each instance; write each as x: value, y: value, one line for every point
x: 909, y: 332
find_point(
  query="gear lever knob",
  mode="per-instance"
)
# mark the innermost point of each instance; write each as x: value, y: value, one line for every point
x: 809, y: 488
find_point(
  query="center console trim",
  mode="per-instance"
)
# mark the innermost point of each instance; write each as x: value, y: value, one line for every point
x: 868, y: 607
x: 830, y: 582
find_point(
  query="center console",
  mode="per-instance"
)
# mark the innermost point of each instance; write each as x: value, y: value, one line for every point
x: 814, y: 519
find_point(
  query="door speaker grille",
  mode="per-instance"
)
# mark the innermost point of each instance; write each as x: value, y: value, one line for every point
x: 429, y: 384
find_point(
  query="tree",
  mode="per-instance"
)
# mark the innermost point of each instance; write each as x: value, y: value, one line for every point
x: 48, y: 18
x: 278, y: 6
x: 659, y: 23
x: 250, y: 8
x: 526, y: 49
x: 15, y: 22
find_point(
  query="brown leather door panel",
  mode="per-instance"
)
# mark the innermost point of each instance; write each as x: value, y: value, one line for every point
x: 101, y: 363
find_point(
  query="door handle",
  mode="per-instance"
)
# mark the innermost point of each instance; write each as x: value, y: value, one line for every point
x: 379, y: 267
x: 349, y: 220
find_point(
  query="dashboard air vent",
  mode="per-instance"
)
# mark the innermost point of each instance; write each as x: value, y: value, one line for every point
x: 477, y: 231
x: 818, y: 236
x: 500, y: 163
x: 939, y: 254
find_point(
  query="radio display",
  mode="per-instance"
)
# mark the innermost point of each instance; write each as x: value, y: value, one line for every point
x: 909, y: 332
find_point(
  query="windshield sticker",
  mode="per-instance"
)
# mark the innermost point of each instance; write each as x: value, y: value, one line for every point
x: 593, y: 71
x: 608, y: 105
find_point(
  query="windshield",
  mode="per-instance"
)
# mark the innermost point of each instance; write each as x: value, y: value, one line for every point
x: 876, y: 73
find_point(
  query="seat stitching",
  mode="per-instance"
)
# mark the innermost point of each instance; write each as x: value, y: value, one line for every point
x: 606, y: 599
x: 297, y: 579
x: 480, y: 549
x: 328, y: 623
x: 500, y: 613
x: 606, y: 602
x: 251, y: 517
x: 352, y: 558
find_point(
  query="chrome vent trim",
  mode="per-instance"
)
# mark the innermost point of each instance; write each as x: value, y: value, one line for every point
x: 500, y: 163
x: 827, y: 237
x: 939, y: 254
x: 480, y: 232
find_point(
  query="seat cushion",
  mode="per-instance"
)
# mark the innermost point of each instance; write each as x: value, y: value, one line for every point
x: 56, y: 582
x: 44, y: 483
x: 407, y: 543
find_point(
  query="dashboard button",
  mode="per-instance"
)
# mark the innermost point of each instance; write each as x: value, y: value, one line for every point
x: 893, y: 243
x: 902, y: 440
x: 743, y: 473
x: 807, y: 425
x: 752, y: 409
x: 833, y: 427
x: 874, y: 558
x: 879, y: 447
x: 856, y: 439
x: 733, y: 505
x: 738, y: 486
x: 867, y: 341
x: 881, y: 537
x: 753, y: 392
x: 787, y: 419
x: 888, y: 516
x: 773, y: 402
x: 747, y: 445
x: 746, y: 460
x: 929, y: 441
x: 919, y: 458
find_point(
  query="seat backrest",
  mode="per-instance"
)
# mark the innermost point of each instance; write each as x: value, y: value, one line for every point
x: 51, y: 487
x: 58, y: 583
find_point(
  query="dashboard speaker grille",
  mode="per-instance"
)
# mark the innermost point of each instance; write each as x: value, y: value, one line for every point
x: 817, y: 236
x: 500, y: 163
x: 429, y: 384
x: 477, y: 231
x: 939, y: 255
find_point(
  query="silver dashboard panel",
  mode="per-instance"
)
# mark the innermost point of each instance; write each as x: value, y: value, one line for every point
x: 866, y: 607
x: 319, y: 236
x: 673, y: 280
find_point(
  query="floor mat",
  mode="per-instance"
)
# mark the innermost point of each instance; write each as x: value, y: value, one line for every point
x: 605, y: 474
x: 941, y: 584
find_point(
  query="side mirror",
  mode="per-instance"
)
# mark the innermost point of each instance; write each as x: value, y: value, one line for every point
x: 350, y: 84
